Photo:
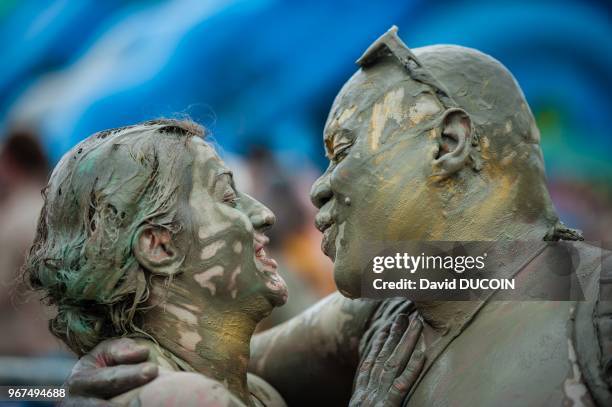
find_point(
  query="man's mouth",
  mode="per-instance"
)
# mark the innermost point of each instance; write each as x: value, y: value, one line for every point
x: 328, y: 243
x: 326, y: 225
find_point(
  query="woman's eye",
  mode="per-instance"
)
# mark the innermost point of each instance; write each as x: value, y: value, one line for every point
x: 230, y: 198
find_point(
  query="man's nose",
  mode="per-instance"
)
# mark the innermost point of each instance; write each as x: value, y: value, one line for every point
x: 321, y: 191
x: 260, y: 216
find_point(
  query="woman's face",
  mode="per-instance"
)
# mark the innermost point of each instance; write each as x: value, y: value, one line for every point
x: 227, y: 259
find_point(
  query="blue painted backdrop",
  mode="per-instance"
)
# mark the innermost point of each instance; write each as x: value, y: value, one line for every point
x: 265, y: 72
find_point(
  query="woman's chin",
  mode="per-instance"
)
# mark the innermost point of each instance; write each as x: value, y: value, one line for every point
x: 275, y: 286
x: 277, y: 293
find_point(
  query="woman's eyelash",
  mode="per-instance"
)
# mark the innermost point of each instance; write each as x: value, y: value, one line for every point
x: 231, y: 198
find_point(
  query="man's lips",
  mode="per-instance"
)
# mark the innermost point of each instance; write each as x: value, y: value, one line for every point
x: 324, y: 222
x: 328, y: 243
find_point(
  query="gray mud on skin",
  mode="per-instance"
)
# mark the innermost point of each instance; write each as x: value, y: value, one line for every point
x: 438, y: 143
x: 144, y: 234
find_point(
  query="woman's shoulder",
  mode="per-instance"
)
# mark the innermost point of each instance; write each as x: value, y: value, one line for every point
x: 180, y: 389
x: 163, y: 359
x: 173, y: 388
x: 171, y: 381
x: 177, y: 384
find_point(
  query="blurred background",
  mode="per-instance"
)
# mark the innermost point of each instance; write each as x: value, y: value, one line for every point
x: 261, y: 76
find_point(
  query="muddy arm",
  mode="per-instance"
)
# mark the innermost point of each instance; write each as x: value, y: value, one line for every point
x: 312, y: 358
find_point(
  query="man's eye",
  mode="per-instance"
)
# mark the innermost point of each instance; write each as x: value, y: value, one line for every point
x: 341, y: 153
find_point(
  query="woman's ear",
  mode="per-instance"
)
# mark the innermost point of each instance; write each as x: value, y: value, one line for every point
x: 455, y: 143
x: 154, y: 249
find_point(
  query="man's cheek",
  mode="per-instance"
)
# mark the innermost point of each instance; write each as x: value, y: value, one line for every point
x: 346, y: 175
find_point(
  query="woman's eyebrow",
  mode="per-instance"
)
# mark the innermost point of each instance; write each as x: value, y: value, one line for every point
x: 222, y: 173
x: 225, y: 171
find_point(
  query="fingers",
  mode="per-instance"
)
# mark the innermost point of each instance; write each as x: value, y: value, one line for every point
x: 382, y: 363
x: 397, y: 330
x: 357, y: 399
x: 402, y: 352
x: 108, y: 382
x: 390, y: 368
x: 363, y: 376
x: 402, y: 385
x: 120, y: 351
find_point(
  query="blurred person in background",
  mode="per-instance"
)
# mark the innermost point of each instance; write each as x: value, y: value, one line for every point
x: 23, y: 172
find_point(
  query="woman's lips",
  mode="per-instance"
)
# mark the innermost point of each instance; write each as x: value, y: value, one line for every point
x: 267, y: 268
x: 261, y: 255
x: 260, y: 252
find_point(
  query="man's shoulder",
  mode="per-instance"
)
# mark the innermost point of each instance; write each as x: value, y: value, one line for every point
x: 592, y: 322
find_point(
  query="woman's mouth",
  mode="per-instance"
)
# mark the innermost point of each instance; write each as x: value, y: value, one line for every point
x: 262, y: 256
x: 267, y: 270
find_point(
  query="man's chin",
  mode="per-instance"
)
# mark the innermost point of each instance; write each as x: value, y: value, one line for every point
x: 347, y: 282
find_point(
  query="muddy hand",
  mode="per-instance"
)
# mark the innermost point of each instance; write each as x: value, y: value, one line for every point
x: 113, y: 367
x: 392, y: 366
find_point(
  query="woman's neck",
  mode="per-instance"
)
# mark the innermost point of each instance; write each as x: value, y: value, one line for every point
x: 214, y: 342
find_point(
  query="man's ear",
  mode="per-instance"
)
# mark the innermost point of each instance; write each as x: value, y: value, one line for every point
x: 154, y: 249
x: 455, y: 143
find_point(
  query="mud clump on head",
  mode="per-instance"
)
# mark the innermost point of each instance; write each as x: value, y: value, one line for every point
x: 98, y: 196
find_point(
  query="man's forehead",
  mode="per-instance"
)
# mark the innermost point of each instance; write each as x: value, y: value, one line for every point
x: 367, y: 89
x: 357, y: 95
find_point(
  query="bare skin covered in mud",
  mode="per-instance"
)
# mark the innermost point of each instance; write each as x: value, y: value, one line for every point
x: 438, y: 144
x: 144, y: 234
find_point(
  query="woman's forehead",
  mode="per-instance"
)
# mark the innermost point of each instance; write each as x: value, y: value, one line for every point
x: 203, y: 151
x: 207, y: 163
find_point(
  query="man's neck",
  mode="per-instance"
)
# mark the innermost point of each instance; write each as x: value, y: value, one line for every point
x: 214, y: 343
x: 442, y: 317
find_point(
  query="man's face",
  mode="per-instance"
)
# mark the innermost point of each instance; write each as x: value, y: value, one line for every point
x: 228, y: 259
x: 380, y: 138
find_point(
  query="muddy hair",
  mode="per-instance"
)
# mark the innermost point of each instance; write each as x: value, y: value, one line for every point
x: 98, y: 197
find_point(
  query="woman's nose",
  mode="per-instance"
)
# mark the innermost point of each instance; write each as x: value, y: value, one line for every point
x: 260, y: 216
x: 321, y: 192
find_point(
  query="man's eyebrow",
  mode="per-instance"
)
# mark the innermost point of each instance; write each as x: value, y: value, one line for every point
x: 337, y: 133
x: 329, y: 146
